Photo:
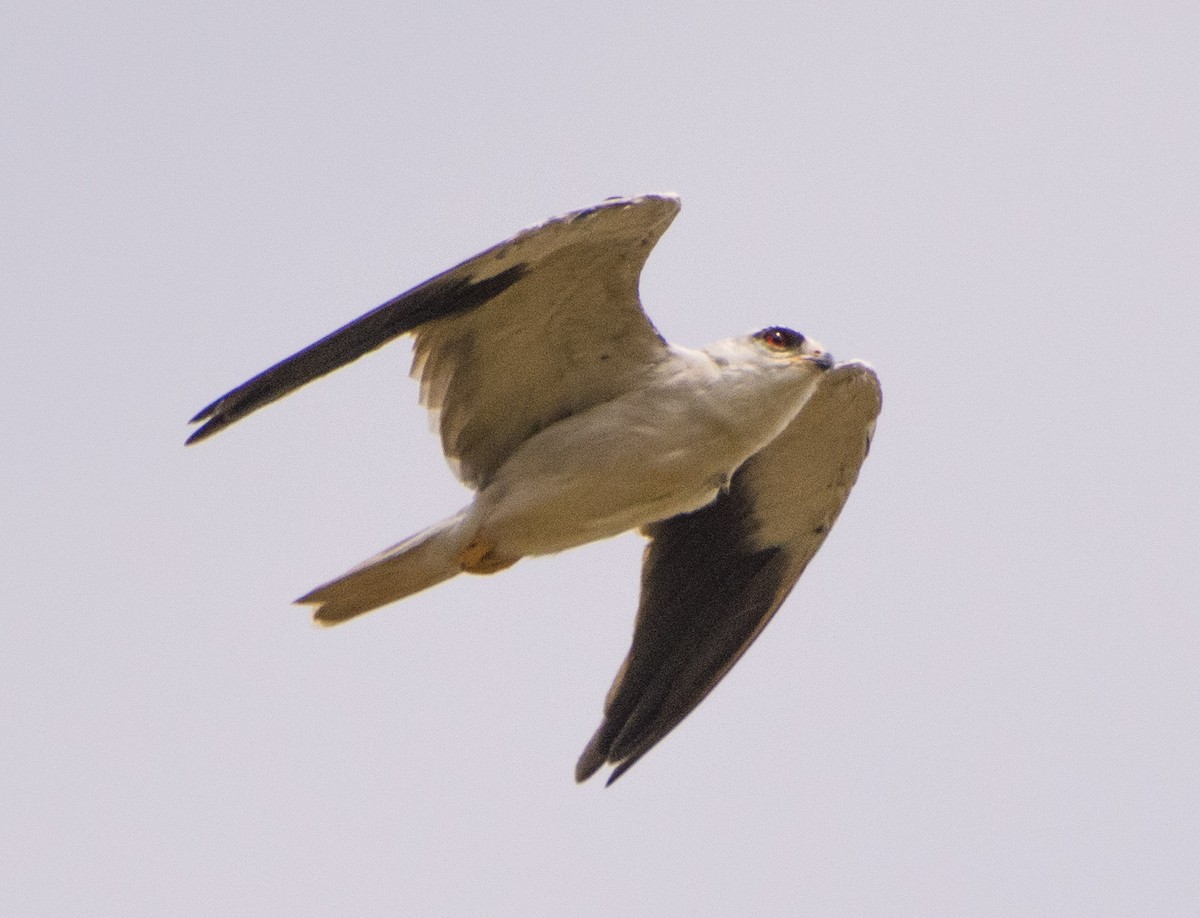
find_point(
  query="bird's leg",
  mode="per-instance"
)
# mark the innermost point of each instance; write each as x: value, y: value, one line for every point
x: 477, y: 558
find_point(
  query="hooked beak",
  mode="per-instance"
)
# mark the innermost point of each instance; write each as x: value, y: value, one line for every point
x: 824, y: 360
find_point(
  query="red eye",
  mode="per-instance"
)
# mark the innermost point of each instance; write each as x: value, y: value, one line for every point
x: 781, y: 339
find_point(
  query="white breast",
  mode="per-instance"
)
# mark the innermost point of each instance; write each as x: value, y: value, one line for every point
x: 659, y: 450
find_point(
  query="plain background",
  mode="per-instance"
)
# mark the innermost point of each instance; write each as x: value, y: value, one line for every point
x: 983, y: 698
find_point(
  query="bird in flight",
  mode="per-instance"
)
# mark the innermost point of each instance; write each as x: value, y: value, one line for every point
x: 571, y: 418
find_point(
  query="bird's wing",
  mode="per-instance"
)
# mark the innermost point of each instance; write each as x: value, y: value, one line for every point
x: 531, y: 331
x: 712, y: 579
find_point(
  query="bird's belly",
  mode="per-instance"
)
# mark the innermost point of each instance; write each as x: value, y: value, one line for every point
x: 577, y: 482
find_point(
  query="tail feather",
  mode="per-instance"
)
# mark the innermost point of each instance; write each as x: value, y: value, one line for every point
x: 417, y: 563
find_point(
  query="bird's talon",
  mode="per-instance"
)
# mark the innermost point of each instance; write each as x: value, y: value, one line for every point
x: 477, y: 558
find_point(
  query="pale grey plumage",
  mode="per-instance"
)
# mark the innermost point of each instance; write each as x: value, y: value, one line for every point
x: 562, y: 406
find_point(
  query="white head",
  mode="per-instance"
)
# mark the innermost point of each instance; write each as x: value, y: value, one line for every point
x: 768, y: 375
x: 774, y: 348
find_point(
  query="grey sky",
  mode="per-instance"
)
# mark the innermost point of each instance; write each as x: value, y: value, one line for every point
x: 983, y: 697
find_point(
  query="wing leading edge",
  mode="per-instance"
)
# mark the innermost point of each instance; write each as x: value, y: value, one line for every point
x: 712, y: 579
x: 601, y: 248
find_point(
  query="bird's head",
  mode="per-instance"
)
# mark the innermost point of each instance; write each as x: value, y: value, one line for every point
x: 776, y: 362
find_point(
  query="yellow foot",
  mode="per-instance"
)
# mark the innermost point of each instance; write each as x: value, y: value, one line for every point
x: 477, y: 558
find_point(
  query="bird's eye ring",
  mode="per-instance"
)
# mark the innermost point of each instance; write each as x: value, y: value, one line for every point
x: 780, y: 339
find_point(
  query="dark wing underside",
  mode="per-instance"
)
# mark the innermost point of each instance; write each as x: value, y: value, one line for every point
x: 704, y: 591
x: 712, y: 579
x: 531, y: 331
x: 443, y: 296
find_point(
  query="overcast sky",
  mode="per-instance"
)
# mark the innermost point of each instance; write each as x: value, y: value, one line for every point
x: 982, y: 699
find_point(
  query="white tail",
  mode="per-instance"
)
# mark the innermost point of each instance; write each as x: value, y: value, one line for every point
x: 417, y: 563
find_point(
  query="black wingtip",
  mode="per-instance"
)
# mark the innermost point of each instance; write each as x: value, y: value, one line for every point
x: 584, y: 774
x: 216, y: 422
x: 592, y: 759
x: 203, y: 433
x: 618, y: 771
x: 207, y: 411
x: 596, y: 756
x: 435, y: 299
